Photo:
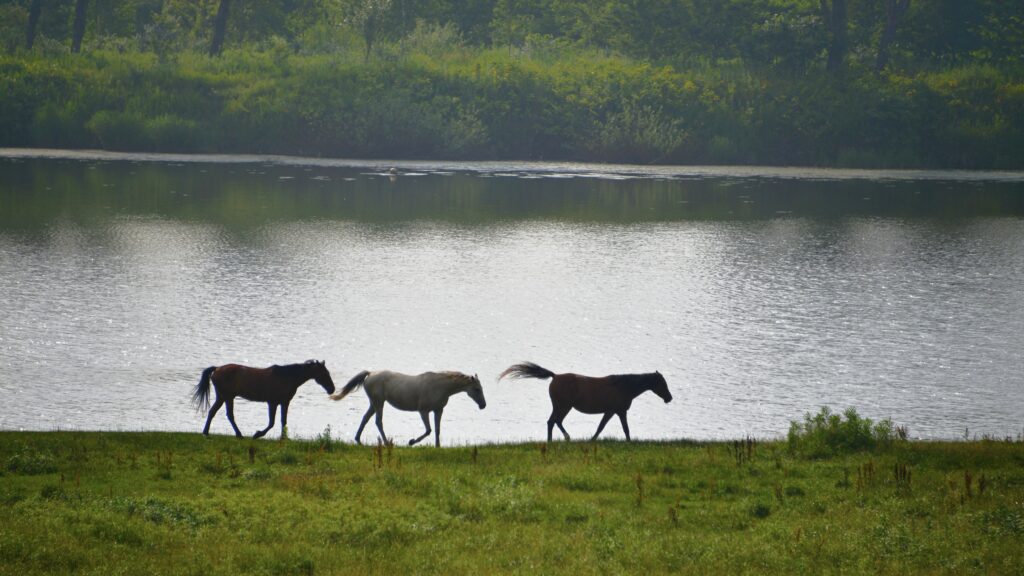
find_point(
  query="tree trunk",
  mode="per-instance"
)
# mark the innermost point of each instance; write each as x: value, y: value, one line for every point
x: 33, y: 19
x: 894, y: 11
x: 835, y: 19
x: 220, y: 24
x: 78, y: 28
x: 369, y: 33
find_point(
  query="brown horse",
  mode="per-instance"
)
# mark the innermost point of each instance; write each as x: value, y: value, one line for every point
x: 608, y: 395
x: 275, y: 385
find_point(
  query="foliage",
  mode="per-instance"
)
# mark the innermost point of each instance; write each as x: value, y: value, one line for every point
x: 369, y: 17
x: 827, y: 433
x: 325, y: 441
x: 671, y: 81
x: 30, y: 462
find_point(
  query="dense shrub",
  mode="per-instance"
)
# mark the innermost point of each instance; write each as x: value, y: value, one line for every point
x: 30, y: 462
x: 119, y: 130
x: 827, y: 433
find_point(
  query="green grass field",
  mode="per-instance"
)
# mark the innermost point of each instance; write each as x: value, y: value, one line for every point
x: 167, y: 503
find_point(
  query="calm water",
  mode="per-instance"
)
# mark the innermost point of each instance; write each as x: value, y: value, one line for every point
x: 760, y: 294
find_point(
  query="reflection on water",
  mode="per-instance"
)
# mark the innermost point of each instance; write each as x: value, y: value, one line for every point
x: 758, y: 298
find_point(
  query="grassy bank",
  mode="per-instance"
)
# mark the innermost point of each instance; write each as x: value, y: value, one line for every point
x: 132, y: 503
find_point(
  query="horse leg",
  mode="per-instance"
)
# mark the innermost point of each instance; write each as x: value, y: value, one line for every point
x: 625, y: 425
x: 230, y: 402
x: 558, y: 414
x: 426, y: 423
x: 284, y: 420
x: 562, y: 428
x: 366, y: 418
x: 437, y: 427
x: 272, y: 408
x: 604, y: 420
x: 380, y: 422
x: 213, y: 412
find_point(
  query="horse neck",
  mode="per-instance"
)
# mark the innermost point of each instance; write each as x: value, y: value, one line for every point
x: 453, y: 384
x: 301, y: 379
x: 635, y: 384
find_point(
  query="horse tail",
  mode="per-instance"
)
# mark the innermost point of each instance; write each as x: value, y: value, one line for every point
x: 526, y: 370
x: 354, y: 383
x: 201, y: 394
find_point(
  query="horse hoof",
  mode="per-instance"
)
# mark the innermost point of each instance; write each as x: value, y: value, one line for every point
x: 412, y: 442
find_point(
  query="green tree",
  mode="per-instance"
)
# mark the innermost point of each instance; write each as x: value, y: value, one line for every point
x: 369, y: 17
x: 510, y: 23
x: 894, y: 12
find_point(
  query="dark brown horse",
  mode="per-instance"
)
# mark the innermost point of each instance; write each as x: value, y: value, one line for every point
x: 607, y: 395
x: 275, y: 385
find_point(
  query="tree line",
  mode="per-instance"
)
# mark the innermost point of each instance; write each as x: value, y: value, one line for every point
x: 823, y: 82
x: 783, y: 34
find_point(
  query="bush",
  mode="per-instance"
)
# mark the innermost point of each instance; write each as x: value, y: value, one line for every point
x: 760, y: 510
x: 169, y: 133
x: 638, y: 134
x: 118, y: 130
x: 826, y: 433
x: 160, y: 511
x: 31, y: 463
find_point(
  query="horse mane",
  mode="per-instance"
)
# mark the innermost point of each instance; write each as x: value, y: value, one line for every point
x: 292, y: 371
x: 457, y: 376
x: 631, y: 381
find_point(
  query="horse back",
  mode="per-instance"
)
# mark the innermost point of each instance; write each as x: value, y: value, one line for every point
x: 386, y: 386
x: 588, y: 394
x: 407, y: 391
x: 250, y: 383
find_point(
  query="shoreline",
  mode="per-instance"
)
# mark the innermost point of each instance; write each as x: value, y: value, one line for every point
x: 534, y: 168
x: 346, y: 440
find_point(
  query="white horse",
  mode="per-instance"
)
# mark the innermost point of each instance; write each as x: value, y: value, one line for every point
x: 423, y: 393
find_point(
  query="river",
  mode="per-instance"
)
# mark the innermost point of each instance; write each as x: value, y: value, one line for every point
x: 760, y: 293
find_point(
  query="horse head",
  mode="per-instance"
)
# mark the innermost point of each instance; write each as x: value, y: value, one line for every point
x: 318, y: 371
x: 476, y: 391
x: 660, y: 387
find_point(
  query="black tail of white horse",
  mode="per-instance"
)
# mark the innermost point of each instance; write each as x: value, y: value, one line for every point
x: 354, y: 383
x: 526, y: 370
x: 201, y: 394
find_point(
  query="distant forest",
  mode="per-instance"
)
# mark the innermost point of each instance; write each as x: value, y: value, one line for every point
x: 875, y: 83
